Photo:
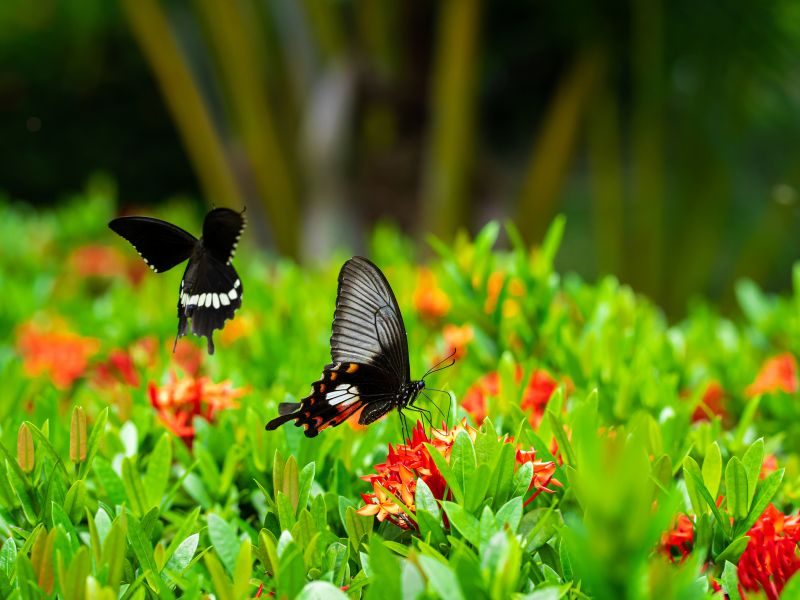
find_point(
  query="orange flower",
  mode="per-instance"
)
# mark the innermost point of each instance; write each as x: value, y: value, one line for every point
x: 677, y: 542
x: 97, y: 260
x: 769, y: 465
x: 771, y: 558
x: 236, y: 329
x: 180, y: 401
x: 409, y: 462
x: 61, y: 355
x: 712, y: 403
x: 778, y: 374
x: 494, y: 286
x: 187, y: 356
x: 117, y: 369
x: 429, y: 299
x: 457, y: 338
x: 538, y: 392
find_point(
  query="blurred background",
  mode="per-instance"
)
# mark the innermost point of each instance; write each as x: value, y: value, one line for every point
x: 666, y: 132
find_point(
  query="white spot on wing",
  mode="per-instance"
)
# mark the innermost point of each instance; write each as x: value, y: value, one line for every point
x: 233, y: 295
x: 208, y: 299
x: 202, y: 300
x: 344, y: 394
x: 237, y: 283
x: 215, y: 298
x: 223, y: 298
x: 194, y: 299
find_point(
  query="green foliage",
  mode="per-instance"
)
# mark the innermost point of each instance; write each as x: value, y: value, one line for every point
x: 99, y: 498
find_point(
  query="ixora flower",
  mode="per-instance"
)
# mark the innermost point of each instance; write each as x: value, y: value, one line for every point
x: 58, y: 353
x: 771, y: 557
x: 538, y: 392
x: 406, y: 464
x: 777, y: 374
x: 676, y: 544
x: 712, y: 403
x: 97, y: 260
x: 429, y: 299
x: 180, y: 401
x: 117, y: 368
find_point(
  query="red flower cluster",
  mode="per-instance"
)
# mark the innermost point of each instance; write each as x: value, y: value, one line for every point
x: 60, y: 354
x: 677, y: 542
x: 538, y: 392
x: 712, y: 403
x: 97, y: 260
x: 771, y: 558
x: 410, y: 462
x: 778, y: 374
x: 118, y: 368
x: 180, y: 401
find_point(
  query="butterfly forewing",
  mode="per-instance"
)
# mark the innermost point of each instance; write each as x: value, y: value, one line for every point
x: 222, y: 229
x: 162, y: 245
x: 367, y: 324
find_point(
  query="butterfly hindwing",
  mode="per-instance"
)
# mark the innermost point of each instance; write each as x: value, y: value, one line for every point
x: 344, y: 390
x: 222, y: 229
x: 210, y: 294
x: 162, y: 245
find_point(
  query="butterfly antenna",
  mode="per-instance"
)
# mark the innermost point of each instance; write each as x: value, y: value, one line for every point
x: 438, y: 408
x: 436, y: 367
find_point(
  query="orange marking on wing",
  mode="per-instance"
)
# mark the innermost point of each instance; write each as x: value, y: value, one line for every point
x: 333, y: 375
x: 322, y: 388
x: 352, y: 368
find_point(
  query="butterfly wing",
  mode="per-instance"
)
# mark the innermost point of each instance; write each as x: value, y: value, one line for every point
x: 368, y: 328
x: 210, y: 294
x: 346, y: 389
x: 222, y: 229
x: 162, y: 245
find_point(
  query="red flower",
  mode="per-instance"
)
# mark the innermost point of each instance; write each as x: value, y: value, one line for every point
x: 677, y: 542
x: 771, y: 558
x: 429, y: 299
x: 712, y: 403
x: 97, y: 260
x: 180, y: 401
x: 408, y: 463
x: 61, y: 355
x: 778, y: 374
x: 769, y: 465
x: 537, y: 394
x: 187, y: 356
x: 118, y: 368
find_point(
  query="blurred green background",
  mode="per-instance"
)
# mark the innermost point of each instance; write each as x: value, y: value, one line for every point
x: 666, y: 132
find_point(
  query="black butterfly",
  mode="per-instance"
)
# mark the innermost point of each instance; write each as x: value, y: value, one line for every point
x: 369, y: 372
x: 211, y: 290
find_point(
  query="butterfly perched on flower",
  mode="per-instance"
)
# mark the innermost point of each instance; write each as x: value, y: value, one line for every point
x: 211, y: 290
x: 369, y: 373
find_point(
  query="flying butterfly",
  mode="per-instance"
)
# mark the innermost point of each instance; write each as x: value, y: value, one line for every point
x: 211, y: 290
x: 369, y: 373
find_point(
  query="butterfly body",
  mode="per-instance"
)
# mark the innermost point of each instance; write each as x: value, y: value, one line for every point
x: 369, y: 374
x: 211, y: 290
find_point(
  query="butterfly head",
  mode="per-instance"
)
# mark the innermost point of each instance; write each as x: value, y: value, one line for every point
x: 412, y: 391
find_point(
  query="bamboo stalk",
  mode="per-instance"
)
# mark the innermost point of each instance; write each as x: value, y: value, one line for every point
x: 255, y: 119
x: 152, y: 31
x: 450, y: 147
x: 555, y: 144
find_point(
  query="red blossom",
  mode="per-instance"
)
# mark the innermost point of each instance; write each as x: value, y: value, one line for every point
x: 187, y: 356
x: 61, y: 355
x: 97, y: 260
x: 677, y: 542
x: 769, y: 465
x: 771, y: 557
x: 712, y: 403
x: 536, y: 396
x: 408, y: 463
x: 777, y: 374
x: 180, y: 401
x: 118, y: 368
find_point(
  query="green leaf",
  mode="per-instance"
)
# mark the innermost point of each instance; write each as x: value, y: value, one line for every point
x: 766, y: 490
x: 158, y: 466
x: 21, y: 489
x: 187, y: 525
x: 462, y: 460
x: 111, y: 482
x: 94, y: 442
x: 385, y: 572
x: 691, y: 471
x: 291, y: 483
x: 502, y: 477
x: 564, y: 445
x: 183, y: 554
x: 113, y: 556
x: 510, y: 514
x: 286, y: 511
x: 142, y: 549
x: 225, y: 541
x: 537, y: 527
x: 137, y: 500
x: 223, y: 588
x: 306, y: 480
x: 447, y: 473
x: 75, y: 501
x: 733, y: 551
x: 476, y: 485
x: 466, y: 524
x: 736, y: 488
x: 8, y: 557
x: 712, y: 469
x: 321, y: 590
x: 441, y: 578
x: 697, y: 480
x: 752, y: 460
x: 730, y: 581
x: 357, y: 527
x: 243, y: 571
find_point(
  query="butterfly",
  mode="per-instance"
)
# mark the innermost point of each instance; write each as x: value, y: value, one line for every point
x: 369, y: 372
x: 211, y: 290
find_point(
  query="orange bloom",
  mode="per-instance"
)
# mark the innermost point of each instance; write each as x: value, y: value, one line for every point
x: 538, y: 392
x: 457, y: 338
x: 97, y: 260
x: 429, y: 299
x: 410, y: 462
x: 771, y: 557
x: 118, y: 368
x: 236, y: 329
x: 494, y: 285
x: 180, y: 401
x: 712, y: 403
x: 61, y: 355
x: 677, y: 542
x: 769, y: 465
x: 187, y: 356
x: 778, y: 374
